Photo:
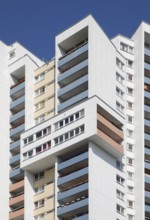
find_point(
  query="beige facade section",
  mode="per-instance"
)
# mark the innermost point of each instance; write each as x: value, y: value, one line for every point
x: 45, y: 102
x: 47, y: 195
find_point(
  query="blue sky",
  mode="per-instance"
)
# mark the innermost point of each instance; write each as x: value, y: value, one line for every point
x: 35, y: 23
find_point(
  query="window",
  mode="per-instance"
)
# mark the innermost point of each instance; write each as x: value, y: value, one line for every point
x: 129, y: 105
x: 130, y: 119
x: 130, y: 204
x: 38, y: 149
x: 39, y: 189
x: 123, y: 47
x: 130, y: 189
x: 119, y: 78
x: 39, y: 203
x: 30, y: 138
x: 12, y: 54
x: 39, y: 105
x: 126, y: 47
x: 40, y: 91
x: 119, y: 165
x: 130, y: 63
x: 120, y: 180
x: 130, y: 217
x: 120, y: 64
x: 129, y: 91
x: 120, y: 194
x: 39, y: 77
x: 129, y: 77
x: 39, y: 217
x: 40, y: 119
x: 38, y: 134
x: 130, y: 161
x: 130, y: 175
x: 119, y: 107
x: 69, y: 135
x: 69, y: 119
x: 28, y: 154
x: 129, y: 133
x: 120, y: 209
x: 129, y: 147
x: 39, y: 175
x: 119, y: 92
x: 25, y: 141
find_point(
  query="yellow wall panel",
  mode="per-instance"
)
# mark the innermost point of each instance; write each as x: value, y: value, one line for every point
x: 49, y: 216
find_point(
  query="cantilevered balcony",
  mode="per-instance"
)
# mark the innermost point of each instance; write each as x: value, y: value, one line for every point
x: 73, y: 178
x: 73, y: 88
x: 17, y: 104
x: 73, y: 100
x: 146, y: 80
x: 147, y: 139
x: 14, y: 146
x: 16, y: 200
x: 74, y: 73
x: 16, y: 174
x: 147, y: 51
x: 68, y: 61
x: 73, y: 164
x: 17, y: 130
x: 147, y: 111
x: 74, y: 208
x: 16, y: 187
x: 16, y: 214
x: 147, y: 181
x: 14, y: 159
x: 17, y: 116
x: 18, y: 90
x: 147, y: 66
x: 147, y: 211
x: 147, y: 126
x: 73, y: 193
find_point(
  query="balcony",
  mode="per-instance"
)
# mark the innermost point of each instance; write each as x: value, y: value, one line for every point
x: 147, y: 181
x: 17, y: 214
x: 73, y: 178
x: 18, y: 90
x: 68, y: 61
x: 109, y: 128
x: 73, y: 100
x: 147, y: 197
x: 147, y: 165
x: 147, y: 51
x: 147, y: 66
x: 147, y: 80
x: 147, y: 139
x: 74, y: 73
x: 17, y: 116
x: 17, y: 104
x: 16, y: 187
x: 147, y: 211
x: 17, y: 130
x: 15, y: 159
x: 74, y: 208
x: 74, y: 163
x: 147, y: 111
x: 147, y: 151
x: 108, y: 144
x: 147, y: 126
x: 16, y: 200
x: 73, y: 88
x: 16, y: 174
x: 73, y: 193
x: 15, y: 146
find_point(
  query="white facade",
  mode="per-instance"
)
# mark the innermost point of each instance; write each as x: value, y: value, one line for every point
x: 91, y: 159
